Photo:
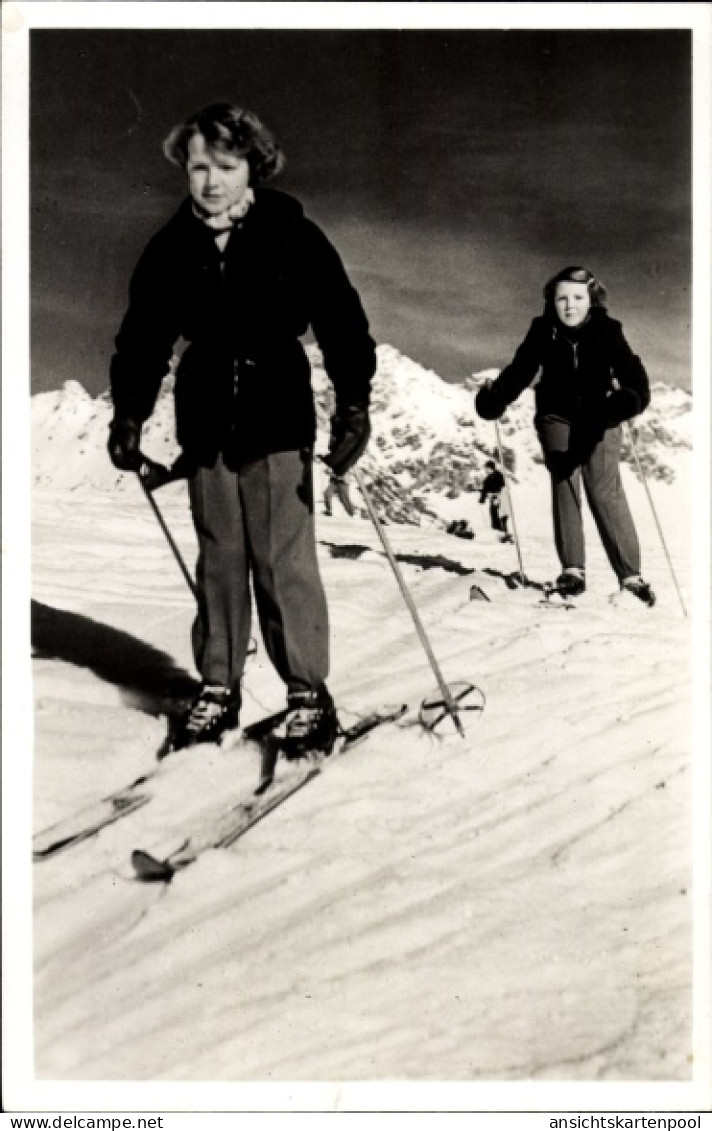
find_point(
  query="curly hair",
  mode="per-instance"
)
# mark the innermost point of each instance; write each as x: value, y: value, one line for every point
x: 596, y: 290
x: 228, y: 129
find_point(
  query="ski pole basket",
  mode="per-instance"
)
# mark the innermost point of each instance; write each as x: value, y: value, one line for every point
x: 464, y: 696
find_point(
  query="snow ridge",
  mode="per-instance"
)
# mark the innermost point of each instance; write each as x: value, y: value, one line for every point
x: 428, y: 447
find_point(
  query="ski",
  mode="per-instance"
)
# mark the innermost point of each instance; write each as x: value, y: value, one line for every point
x: 227, y: 827
x: 98, y: 815
x: 556, y: 598
x: 88, y: 822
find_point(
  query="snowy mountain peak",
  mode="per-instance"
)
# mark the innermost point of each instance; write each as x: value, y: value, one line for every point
x: 428, y: 447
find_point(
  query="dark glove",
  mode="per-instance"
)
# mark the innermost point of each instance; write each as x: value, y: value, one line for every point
x: 125, y: 445
x: 487, y: 403
x: 350, y: 432
x: 154, y: 475
x: 620, y: 405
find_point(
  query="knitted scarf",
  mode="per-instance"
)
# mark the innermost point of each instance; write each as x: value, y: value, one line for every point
x: 224, y: 221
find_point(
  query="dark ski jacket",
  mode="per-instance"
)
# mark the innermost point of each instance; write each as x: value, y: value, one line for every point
x: 492, y: 485
x: 243, y: 382
x: 577, y: 370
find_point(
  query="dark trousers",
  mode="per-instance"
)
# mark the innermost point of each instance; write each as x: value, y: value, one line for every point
x: 573, y: 457
x: 495, y: 516
x: 257, y: 523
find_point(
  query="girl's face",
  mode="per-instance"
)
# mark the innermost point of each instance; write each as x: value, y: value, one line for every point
x: 572, y: 303
x: 216, y: 180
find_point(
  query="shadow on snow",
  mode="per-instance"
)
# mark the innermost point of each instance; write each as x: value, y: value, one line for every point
x: 148, y: 678
x: 423, y: 561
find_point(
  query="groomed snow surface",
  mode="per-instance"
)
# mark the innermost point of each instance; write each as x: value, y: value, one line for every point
x: 512, y: 906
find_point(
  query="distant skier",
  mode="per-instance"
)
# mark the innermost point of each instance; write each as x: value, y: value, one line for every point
x: 338, y: 488
x: 241, y: 274
x: 590, y: 382
x: 494, y: 489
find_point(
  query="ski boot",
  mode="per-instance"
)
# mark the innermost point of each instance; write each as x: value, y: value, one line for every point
x: 215, y: 710
x: 570, y: 583
x: 311, y: 724
x: 639, y: 588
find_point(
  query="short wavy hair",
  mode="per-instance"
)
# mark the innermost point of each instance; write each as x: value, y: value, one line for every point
x: 228, y: 129
x: 596, y: 290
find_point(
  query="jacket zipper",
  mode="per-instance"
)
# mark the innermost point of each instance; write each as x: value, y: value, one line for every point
x: 235, y: 364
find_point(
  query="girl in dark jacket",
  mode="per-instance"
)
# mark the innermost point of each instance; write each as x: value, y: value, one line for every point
x: 240, y: 274
x: 590, y: 381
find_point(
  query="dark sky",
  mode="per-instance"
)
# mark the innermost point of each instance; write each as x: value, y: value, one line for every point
x: 454, y: 170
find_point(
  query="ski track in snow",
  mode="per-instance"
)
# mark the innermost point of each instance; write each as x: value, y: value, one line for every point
x: 514, y: 906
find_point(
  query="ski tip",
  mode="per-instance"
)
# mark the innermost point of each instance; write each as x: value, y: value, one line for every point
x: 556, y: 597
x: 477, y: 594
x: 149, y: 869
x: 389, y: 714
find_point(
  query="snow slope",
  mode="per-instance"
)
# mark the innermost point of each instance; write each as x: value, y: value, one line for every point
x: 434, y: 919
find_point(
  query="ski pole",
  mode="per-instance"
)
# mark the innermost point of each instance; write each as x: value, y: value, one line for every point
x: 643, y: 478
x: 169, y: 538
x: 449, y: 702
x: 500, y: 451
